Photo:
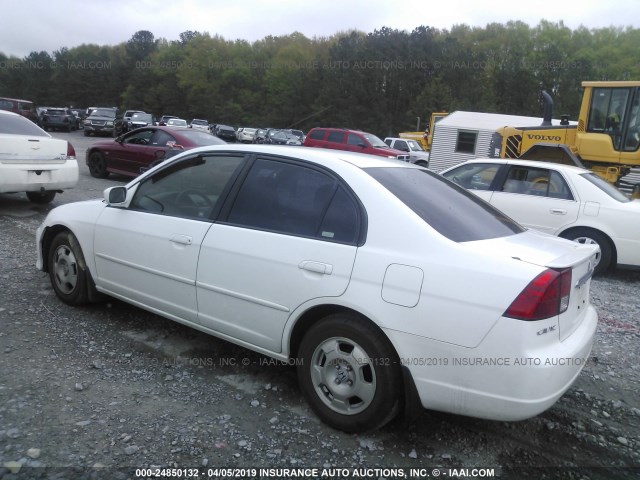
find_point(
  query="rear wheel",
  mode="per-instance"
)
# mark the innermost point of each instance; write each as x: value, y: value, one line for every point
x: 98, y: 165
x: 587, y: 236
x: 67, y: 269
x: 41, y: 197
x: 349, y: 373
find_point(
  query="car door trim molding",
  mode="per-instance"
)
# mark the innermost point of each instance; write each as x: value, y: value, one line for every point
x: 146, y: 269
x: 242, y: 296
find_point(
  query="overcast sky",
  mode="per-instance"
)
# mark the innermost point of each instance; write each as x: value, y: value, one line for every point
x: 36, y: 25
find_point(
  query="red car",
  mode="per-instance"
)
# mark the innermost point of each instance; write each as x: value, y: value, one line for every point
x: 138, y: 150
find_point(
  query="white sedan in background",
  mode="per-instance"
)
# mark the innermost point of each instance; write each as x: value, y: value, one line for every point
x: 561, y: 200
x: 296, y: 253
x: 246, y: 135
x: 32, y: 161
x: 177, y: 123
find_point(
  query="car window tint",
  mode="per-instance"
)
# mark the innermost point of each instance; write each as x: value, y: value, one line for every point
x: 353, y: 139
x: 473, y: 176
x: 139, y: 138
x: 341, y: 221
x: 540, y: 182
x: 189, y: 189
x: 449, y: 209
x: 162, y: 139
x: 337, y: 137
x: 16, y: 125
x: 296, y: 200
x: 317, y: 134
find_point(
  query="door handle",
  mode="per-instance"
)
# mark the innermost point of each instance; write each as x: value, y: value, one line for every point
x: 317, y: 267
x: 558, y: 211
x: 181, y: 239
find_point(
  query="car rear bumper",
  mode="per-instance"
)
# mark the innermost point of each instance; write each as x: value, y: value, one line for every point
x: 498, y: 380
x: 33, y: 177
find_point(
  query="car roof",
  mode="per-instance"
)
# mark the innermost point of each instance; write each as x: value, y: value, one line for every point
x: 328, y: 157
x: 528, y: 163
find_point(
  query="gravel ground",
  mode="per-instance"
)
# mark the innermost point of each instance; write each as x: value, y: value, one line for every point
x: 99, y: 391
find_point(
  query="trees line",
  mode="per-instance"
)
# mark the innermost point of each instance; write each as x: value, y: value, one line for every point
x: 379, y: 82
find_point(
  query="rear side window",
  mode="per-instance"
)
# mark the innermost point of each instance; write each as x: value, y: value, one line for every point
x: 449, y: 209
x: 335, y: 137
x: 296, y: 200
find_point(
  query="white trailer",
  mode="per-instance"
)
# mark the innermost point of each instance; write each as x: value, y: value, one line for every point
x: 463, y: 136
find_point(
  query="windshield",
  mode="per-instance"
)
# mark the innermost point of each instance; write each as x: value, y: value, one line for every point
x: 375, y: 141
x: 103, y: 112
x: 141, y: 117
x: 606, y: 187
x: 199, y: 122
x: 449, y: 209
x: 414, y: 146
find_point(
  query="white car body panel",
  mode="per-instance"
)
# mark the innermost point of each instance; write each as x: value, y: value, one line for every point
x: 240, y: 296
x: 435, y: 299
x: 30, y: 163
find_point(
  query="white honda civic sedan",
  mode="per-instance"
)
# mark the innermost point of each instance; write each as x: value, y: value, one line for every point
x: 561, y: 200
x: 386, y: 282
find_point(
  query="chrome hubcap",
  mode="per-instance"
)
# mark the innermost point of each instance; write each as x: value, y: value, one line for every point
x: 343, y: 375
x: 65, y: 269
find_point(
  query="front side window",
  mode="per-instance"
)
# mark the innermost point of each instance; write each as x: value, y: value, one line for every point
x: 450, y: 210
x: 139, y: 138
x: 355, y: 140
x: 189, y: 189
x: 466, y: 142
x: 473, y: 176
x: 162, y: 139
x: 296, y: 200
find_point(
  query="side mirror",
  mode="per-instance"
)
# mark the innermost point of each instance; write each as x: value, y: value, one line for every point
x: 115, y: 196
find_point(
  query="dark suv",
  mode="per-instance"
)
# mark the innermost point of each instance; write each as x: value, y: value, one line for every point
x: 102, y: 120
x: 352, y: 141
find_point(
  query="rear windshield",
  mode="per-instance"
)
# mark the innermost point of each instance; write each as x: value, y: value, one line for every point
x: 17, y: 125
x: 449, y: 209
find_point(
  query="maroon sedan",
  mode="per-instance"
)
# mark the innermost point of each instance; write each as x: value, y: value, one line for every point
x: 138, y: 150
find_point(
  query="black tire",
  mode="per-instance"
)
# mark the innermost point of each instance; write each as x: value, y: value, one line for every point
x: 422, y: 163
x: 349, y: 373
x: 86, y: 133
x: 98, y: 165
x: 68, y: 270
x: 41, y: 197
x: 589, y: 236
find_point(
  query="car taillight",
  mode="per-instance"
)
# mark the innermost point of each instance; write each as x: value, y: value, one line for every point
x: 546, y: 296
x: 71, y: 152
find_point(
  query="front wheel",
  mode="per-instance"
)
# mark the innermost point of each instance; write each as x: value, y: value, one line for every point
x: 67, y: 269
x: 98, y: 165
x: 41, y: 197
x: 350, y: 373
x: 587, y: 236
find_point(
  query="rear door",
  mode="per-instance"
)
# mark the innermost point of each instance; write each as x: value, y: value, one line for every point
x: 290, y: 235
x: 536, y: 197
